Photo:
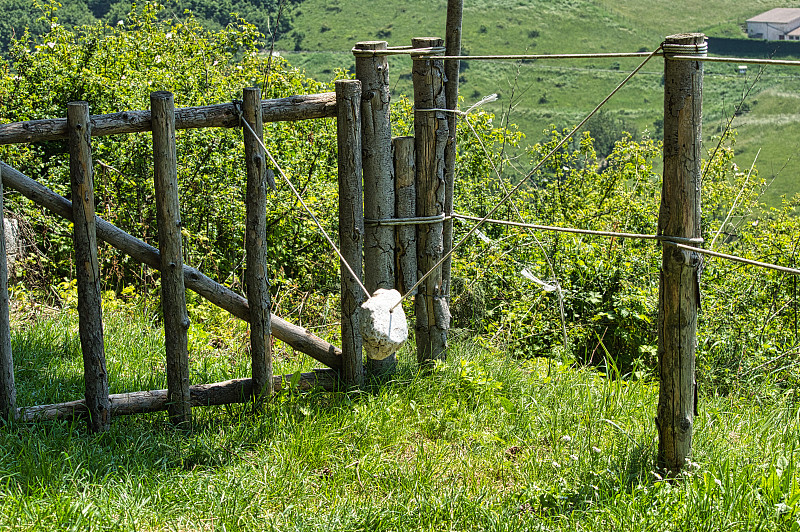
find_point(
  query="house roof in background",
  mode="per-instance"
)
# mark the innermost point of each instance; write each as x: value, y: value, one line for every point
x: 778, y: 15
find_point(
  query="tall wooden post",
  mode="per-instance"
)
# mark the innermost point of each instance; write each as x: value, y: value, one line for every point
x: 90, y: 310
x: 376, y: 149
x: 351, y: 225
x: 173, y: 293
x: 679, y: 290
x: 258, y: 296
x: 431, y: 134
x: 405, y: 202
x: 8, y: 392
x: 455, y: 9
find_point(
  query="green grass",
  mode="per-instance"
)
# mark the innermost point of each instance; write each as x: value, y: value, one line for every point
x: 485, y: 442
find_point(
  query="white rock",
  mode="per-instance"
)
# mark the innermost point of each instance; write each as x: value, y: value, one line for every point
x: 383, y: 332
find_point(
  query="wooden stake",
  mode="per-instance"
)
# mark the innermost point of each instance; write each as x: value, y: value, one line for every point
x: 8, y: 392
x: 90, y: 310
x: 431, y: 134
x: 296, y: 337
x: 376, y: 150
x: 455, y: 10
x: 173, y: 293
x: 256, y: 277
x: 679, y: 290
x: 351, y: 225
x: 405, y: 207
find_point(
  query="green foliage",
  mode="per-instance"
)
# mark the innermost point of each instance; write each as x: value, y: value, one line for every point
x: 115, y: 68
x: 510, y: 284
x: 37, y: 15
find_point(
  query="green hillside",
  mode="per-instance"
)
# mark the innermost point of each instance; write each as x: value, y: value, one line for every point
x: 561, y: 92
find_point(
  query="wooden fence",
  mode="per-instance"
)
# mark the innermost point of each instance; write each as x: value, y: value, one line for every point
x: 384, y: 184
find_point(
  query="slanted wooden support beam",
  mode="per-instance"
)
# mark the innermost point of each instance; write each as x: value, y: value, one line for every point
x: 351, y: 226
x: 219, y: 393
x: 8, y: 392
x: 376, y: 148
x: 256, y: 277
x: 679, y: 288
x: 296, y: 337
x: 303, y: 107
x: 431, y: 134
x: 87, y: 268
x: 173, y: 292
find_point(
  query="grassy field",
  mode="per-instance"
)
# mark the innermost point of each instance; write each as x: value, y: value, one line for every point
x: 484, y: 442
x: 536, y: 94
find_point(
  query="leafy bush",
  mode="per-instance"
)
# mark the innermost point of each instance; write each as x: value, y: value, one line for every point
x: 115, y: 68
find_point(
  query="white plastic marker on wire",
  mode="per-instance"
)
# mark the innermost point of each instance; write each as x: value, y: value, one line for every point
x: 303, y: 203
x: 525, y: 179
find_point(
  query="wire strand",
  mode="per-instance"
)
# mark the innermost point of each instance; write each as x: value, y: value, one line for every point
x: 308, y: 210
x: 525, y: 179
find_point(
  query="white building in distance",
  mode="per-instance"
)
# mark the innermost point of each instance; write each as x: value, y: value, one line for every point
x: 775, y: 25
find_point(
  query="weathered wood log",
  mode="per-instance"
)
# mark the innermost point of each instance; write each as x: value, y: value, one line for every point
x: 220, y: 393
x: 173, y: 291
x: 303, y: 107
x: 87, y: 268
x: 376, y: 148
x: 452, y: 38
x: 405, y: 202
x: 296, y: 337
x: 431, y: 134
x: 351, y: 225
x: 679, y: 289
x: 256, y: 277
x: 8, y: 391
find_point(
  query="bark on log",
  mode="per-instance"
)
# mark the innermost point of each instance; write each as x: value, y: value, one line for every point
x: 405, y: 207
x: 431, y: 134
x: 173, y: 291
x: 303, y: 107
x: 258, y: 296
x: 455, y: 9
x: 90, y: 310
x: 351, y: 226
x: 220, y: 393
x: 679, y: 289
x: 296, y: 337
x: 8, y: 392
x: 379, y: 199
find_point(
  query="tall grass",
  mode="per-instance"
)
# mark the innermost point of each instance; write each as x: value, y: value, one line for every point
x: 483, y: 442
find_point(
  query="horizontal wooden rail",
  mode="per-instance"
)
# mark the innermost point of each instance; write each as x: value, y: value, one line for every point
x: 219, y: 393
x: 301, y: 107
x: 297, y: 337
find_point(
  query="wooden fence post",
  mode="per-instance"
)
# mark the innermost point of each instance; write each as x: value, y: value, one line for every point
x: 173, y: 293
x: 258, y: 296
x: 90, y: 310
x: 8, y: 392
x: 405, y: 207
x: 430, y: 134
x: 351, y: 225
x: 376, y: 149
x: 679, y: 290
x: 455, y: 9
